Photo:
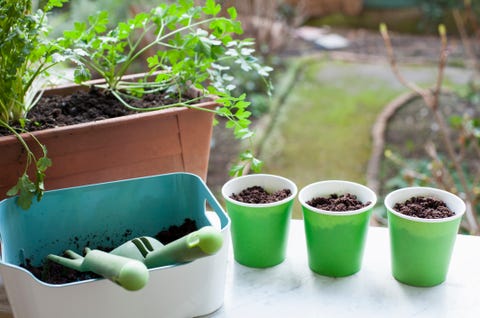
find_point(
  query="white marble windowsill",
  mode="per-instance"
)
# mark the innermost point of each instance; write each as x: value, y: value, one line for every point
x: 292, y: 290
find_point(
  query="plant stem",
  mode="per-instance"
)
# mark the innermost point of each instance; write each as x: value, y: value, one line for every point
x: 30, y: 154
x: 393, y: 64
x: 179, y: 104
x: 132, y: 56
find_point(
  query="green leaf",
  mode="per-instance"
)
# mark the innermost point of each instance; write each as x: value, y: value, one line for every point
x: 25, y: 199
x: 26, y: 190
x: 152, y: 61
x: 243, y: 133
x: 162, y: 77
x: 232, y: 12
x: 99, y: 21
x: 264, y: 71
x: 456, y: 121
x: 13, y: 190
x: 211, y: 8
x: 256, y: 165
x: 123, y: 30
x: 26, y: 183
x: 185, y: 5
x: 140, y: 20
x: 81, y: 74
x: 236, y: 170
x: 246, y: 155
x: 43, y: 163
x: 53, y: 3
x: 203, y: 48
x: 230, y: 124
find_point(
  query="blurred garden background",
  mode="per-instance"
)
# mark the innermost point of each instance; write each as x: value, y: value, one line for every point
x: 338, y: 110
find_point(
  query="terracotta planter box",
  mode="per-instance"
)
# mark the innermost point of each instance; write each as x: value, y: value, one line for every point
x: 171, y: 140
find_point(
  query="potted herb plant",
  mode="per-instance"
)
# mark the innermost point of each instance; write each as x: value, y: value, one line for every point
x: 193, y: 48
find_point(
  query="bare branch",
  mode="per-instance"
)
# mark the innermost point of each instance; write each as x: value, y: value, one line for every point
x: 426, y: 95
x: 431, y: 99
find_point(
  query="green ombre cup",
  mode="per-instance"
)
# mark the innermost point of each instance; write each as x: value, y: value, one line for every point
x: 336, y: 240
x: 421, y: 248
x: 259, y: 231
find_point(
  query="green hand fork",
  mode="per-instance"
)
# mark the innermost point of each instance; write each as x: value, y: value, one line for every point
x: 126, y: 272
x: 203, y: 242
x: 127, y: 264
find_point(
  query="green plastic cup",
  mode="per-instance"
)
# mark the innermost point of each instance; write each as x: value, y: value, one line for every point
x: 421, y: 248
x: 259, y: 231
x: 336, y: 240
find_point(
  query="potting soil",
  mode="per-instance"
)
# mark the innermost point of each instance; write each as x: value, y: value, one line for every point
x: 338, y: 203
x: 53, y: 273
x: 258, y: 195
x: 424, y: 207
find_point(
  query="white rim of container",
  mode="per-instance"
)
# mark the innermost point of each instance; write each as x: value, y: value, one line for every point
x: 452, y: 201
x: 339, y: 187
x: 269, y: 182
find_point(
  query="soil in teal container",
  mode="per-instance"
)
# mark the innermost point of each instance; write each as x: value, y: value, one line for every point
x: 53, y: 273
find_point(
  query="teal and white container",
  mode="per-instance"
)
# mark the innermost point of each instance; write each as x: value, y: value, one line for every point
x: 95, y: 213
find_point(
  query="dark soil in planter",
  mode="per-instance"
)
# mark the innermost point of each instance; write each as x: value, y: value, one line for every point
x: 53, y: 273
x: 82, y: 107
x: 424, y: 207
x: 338, y: 203
x: 257, y: 195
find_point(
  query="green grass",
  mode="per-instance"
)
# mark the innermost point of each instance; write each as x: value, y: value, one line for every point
x: 323, y: 127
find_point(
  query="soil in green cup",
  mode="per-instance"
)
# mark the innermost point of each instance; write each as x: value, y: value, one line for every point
x: 258, y: 195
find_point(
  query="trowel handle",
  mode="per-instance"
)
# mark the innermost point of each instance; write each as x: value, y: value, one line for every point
x: 138, y: 248
x: 203, y: 242
x: 128, y: 273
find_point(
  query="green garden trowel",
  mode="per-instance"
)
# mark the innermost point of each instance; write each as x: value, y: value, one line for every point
x: 126, y: 272
x: 203, y: 242
x: 127, y: 264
